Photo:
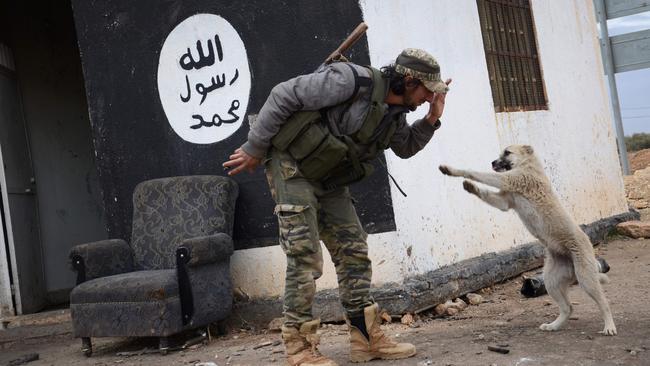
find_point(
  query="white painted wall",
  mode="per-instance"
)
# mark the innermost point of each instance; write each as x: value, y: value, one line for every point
x: 439, y: 223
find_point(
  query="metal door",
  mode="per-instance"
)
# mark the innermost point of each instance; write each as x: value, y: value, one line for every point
x: 19, y: 200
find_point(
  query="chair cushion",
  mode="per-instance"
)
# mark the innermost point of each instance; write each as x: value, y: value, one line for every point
x: 139, y: 286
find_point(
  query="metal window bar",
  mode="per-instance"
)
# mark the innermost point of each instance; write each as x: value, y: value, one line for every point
x: 511, y: 55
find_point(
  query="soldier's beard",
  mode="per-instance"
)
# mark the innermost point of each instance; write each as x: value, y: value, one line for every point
x: 409, y: 102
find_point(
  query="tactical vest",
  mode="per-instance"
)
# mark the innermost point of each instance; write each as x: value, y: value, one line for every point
x: 335, y: 160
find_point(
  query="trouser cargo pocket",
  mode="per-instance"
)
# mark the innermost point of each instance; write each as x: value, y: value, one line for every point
x: 296, y: 238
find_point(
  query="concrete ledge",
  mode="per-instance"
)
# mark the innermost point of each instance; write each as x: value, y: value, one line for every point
x: 421, y: 292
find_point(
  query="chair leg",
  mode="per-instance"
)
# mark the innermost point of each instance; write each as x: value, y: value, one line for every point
x: 86, y: 346
x: 163, y: 345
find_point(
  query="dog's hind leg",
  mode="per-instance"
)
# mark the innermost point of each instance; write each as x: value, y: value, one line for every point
x: 589, y: 279
x: 558, y: 275
x: 494, y: 199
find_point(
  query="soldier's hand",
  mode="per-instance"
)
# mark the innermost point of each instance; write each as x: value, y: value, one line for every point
x: 239, y: 161
x: 437, y: 105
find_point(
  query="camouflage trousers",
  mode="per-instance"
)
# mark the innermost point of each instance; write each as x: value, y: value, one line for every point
x: 306, y: 214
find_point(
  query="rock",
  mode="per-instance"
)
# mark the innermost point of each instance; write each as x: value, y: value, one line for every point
x: 498, y: 349
x: 407, y: 319
x: 452, y: 311
x: 637, y: 188
x: 205, y: 364
x: 275, y: 325
x: 440, y: 309
x: 460, y: 304
x: 474, y: 299
x: 385, y: 317
x: 634, y: 229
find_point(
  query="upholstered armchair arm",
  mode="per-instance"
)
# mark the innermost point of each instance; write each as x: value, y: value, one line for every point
x: 101, y: 258
x: 205, y: 249
x: 201, y: 264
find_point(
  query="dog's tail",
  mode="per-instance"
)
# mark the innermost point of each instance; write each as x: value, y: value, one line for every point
x: 603, y: 278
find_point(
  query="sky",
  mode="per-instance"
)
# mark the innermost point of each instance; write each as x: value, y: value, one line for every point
x: 633, y: 86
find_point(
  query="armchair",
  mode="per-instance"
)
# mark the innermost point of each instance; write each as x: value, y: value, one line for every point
x: 175, y: 273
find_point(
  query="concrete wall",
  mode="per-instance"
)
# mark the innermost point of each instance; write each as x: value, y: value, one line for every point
x: 438, y: 223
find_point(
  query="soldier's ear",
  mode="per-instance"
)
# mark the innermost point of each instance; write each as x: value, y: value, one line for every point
x: 528, y: 149
x: 410, y: 81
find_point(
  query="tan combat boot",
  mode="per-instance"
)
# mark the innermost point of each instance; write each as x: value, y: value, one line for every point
x: 379, y: 345
x: 301, y: 345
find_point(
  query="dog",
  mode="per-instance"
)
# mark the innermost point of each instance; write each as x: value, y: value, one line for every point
x: 569, y: 254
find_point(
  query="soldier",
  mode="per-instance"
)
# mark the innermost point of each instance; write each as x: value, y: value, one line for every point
x: 315, y: 135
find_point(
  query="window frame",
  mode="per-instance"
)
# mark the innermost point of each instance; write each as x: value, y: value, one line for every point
x: 514, y: 58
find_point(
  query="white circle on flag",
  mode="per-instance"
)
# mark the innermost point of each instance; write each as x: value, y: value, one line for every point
x: 204, y: 80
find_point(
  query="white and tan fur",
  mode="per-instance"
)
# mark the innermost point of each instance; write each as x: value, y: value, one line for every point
x: 569, y: 255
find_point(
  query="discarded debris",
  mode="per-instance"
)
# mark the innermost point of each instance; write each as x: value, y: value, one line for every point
x: 459, y: 304
x: 474, y: 299
x: 275, y: 325
x: 206, y: 364
x: 240, y: 295
x: 534, y: 286
x: 407, y: 319
x: 440, y: 309
x: 203, y: 337
x: 498, y: 349
x: 634, y: 351
x: 263, y: 344
x: 143, y: 351
x: 451, y: 311
x: 450, y: 308
x: 23, y: 359
x: 603, y: 267
x: 386, y: 317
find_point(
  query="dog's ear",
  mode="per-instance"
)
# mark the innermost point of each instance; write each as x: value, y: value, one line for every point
x: 528, y: 149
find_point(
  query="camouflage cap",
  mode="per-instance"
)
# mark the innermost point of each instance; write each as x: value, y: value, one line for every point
x: 422, y: 66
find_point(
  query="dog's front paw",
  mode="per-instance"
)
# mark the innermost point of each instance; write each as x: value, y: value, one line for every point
x: 609, y: 331
x: 446, y: 170
x: 470, y: 187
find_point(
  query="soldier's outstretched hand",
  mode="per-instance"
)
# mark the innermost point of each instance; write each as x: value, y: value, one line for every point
x: 239, y: 161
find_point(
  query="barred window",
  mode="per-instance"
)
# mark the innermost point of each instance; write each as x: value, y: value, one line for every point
x: 511, y: 54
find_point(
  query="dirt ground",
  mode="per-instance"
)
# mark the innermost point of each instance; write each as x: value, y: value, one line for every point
x: 504, y: 319
x: 639, y: 159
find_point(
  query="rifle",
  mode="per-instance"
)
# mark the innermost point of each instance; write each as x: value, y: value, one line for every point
x: 347, y: 43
